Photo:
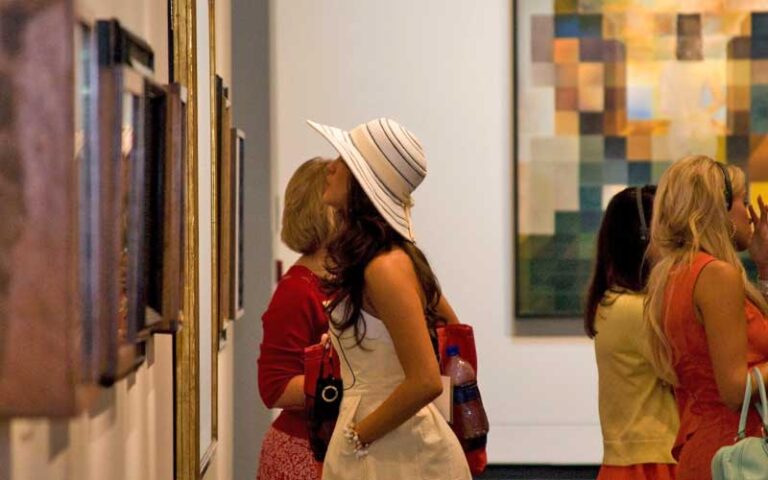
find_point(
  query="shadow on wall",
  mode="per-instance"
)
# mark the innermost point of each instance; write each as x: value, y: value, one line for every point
x: 5, y: 449
x: 58, y: 440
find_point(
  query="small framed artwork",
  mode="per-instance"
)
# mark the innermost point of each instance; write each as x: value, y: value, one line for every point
x: 124, y: 62
x: 237, y: 266
x: 226, y: 213
x: 165, y: 201
x: 155, y: 200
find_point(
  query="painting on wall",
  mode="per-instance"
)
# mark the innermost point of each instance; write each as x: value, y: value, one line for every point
x: 608, y: 95
x: 155, y: 99
x: 125, y: 61
x: 237, y: 240
x: 228, y: 198
x: 165, y: 206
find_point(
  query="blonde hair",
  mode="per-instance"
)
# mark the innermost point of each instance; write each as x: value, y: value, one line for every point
x: 307, y: 221
x: 689, y: 216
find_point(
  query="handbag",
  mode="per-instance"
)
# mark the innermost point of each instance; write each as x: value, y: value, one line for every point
x: 323, y: 390
x: 463, y: 336
x: 747, y: 459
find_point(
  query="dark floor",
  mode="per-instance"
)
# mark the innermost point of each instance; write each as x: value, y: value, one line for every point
x: 538, y: 472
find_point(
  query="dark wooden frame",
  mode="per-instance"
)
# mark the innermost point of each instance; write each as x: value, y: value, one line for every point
x: 125, y: 64
x: 165, y: 197
x: 41, y: 362
x: 237, y: 241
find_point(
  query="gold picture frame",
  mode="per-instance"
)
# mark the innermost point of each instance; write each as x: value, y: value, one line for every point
x: 183, y: 70
x: 191, y: 458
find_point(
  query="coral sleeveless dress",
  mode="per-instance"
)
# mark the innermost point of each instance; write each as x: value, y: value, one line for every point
x: 422, y: 448
x: 706, y: 424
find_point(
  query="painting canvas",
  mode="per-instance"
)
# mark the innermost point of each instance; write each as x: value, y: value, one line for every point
x: 155, y: 201
x: 40, y: 339
x: 608, y: 95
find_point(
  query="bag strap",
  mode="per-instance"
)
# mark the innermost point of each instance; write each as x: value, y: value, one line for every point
x: 763, y: 400
x: 745, y: 408
x: 327, y: 354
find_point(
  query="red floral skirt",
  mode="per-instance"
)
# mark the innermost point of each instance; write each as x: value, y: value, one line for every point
x: 643, y: 471
x: 284, y: 457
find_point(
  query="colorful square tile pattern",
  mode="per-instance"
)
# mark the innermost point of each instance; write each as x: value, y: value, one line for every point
x: 634, y: 85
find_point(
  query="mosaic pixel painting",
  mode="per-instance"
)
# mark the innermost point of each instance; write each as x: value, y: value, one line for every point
x: 608, y: 94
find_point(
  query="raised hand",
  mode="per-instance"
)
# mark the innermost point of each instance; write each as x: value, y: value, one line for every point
x: 758, y: 248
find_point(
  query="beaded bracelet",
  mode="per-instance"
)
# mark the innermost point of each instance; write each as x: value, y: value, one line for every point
x: 360, y: 448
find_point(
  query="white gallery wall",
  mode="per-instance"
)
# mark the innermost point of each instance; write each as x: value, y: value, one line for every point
x: 443, y: 68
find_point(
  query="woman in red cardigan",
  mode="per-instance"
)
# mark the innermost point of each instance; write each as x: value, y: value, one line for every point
x: 294, y: 319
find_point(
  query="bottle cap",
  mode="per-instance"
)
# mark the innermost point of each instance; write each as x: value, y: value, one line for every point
x: 452, y: 350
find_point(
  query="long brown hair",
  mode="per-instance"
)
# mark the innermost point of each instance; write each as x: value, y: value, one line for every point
x: 362, y: 236
x: 620, y: 259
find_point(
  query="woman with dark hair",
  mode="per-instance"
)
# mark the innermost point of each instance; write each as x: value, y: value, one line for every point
x: 386, y: 304
x: 638, y: 415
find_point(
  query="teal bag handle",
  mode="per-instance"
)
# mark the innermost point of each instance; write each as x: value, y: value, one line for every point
x: 745, y: 409
x: 747, y: 397
x: 763, y: 399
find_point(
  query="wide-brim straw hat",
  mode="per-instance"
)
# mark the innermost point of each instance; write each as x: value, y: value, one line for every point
x: 387, y: 161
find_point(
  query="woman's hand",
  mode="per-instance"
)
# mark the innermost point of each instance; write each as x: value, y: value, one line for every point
x: 758, y: 247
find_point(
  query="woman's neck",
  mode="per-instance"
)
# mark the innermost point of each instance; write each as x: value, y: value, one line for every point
x: 314, y: 262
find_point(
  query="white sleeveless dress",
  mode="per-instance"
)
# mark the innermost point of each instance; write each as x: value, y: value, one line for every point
x: 423, y: 448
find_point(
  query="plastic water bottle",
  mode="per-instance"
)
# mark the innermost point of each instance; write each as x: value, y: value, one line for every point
x: 469, y: 418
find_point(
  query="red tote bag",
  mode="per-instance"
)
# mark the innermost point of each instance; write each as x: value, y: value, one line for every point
x: 463, y: 336
x: 320, y: 361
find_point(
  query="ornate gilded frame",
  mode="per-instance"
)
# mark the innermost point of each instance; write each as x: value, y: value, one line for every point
x: 183, y: 70
x: 189, y: 464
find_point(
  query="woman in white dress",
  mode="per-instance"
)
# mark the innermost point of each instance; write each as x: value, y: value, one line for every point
x: 386, y: 304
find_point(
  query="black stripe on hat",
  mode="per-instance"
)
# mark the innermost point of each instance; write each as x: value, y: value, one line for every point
x: 376, y: 177
x: 397, y: 217
x: 413, y: 139
x: 378, y: 147
x: 396, y: 141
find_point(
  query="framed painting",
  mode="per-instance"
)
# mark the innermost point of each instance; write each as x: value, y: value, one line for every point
x: 609, y: 94
x: 42, y: 150
x: 164, y: 197
x: 236, y: 266
x: 124, y: 62
x: 155, y: 98
x: 190, y: 459
x: 226, y: 204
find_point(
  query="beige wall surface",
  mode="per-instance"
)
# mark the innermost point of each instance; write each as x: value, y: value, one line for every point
x: 128, y: 433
